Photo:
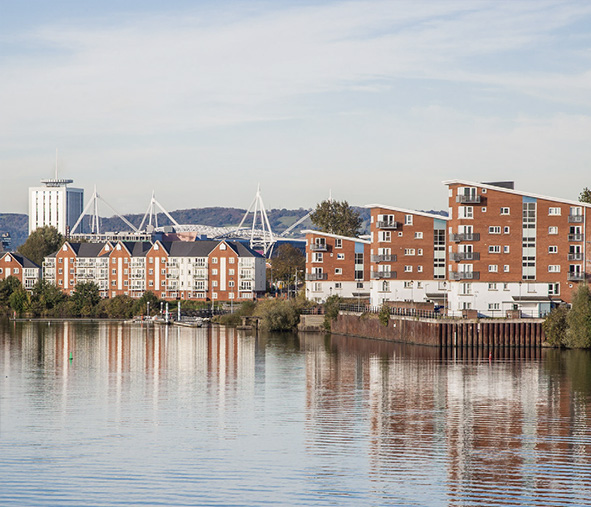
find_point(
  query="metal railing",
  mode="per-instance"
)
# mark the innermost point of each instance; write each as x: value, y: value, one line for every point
x: 456, y: 238
x: 387, y: 224
x: 318, y: 247
x: 383, y: 275
x: 575, y: 276
x: 575, y: 237
x: 578, y: 256
x: 383, y: 258
x: 468, y: 199
x: 576, y: 219
x: 464, y: 275
x: 464, y: 256
x: 313, y: 277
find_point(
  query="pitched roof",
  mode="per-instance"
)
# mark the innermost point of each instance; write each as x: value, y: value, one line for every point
x: 21, y: 259
x: 137, y: 248
x: 330, y: 235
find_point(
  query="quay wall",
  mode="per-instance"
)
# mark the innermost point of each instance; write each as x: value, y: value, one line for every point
x: 490, y: 333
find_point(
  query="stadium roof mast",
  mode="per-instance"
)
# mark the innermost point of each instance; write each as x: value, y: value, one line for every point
x: 95, y: 217
x: 263, y: 238
x: 153, y: 214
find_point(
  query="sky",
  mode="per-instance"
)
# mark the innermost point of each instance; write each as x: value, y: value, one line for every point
x: 368, y: 101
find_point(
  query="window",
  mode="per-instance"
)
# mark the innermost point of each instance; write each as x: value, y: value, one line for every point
x: 151, y: 260
x: 214, y: 272
x: 60, y: 271
x: 214, y: 283
x: 408, y: 269
x: 151, y: 284
x: 409, y: 251
x: 554, y: 268
x: 231, y: 260
x: 113, y: 283
x: 163, y: 271
x: 494, y: 229
x: 338, y: 285
x: 419, y: 269
x: 505, y: 211
x: 493, y: 268
x: 150, y: 271
x: 125, y: 282
x: 506, y: 249
x: 360, y: 285
x: 494, y: 249
x: 384, y: 236
x: 231, y: 283
x: 231, y: 272
x: 492, y: 286
x: 338, y: 271
x: 418, y: 235
x: 407, y: 219
x: 420, y: 251
x: 60, y: 260
x: 113, y: 261
x: 552, y: 230
x: 506, y: 268
x: 113, y: 271
x: 317, y: 257
x: 466, y: 212
x: 553, y: 289
x: 338, y: 243
x: 552, y: 249
x: 341, y: 256
x: 408, y: 284
x: 214, y: 260
x: 554, y: 211
x: 494, y: 306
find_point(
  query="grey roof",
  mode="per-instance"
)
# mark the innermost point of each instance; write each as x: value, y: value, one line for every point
x: 22, y: 260
x: 137, y: 248
x: 202, y: 248
x: 87, y: 249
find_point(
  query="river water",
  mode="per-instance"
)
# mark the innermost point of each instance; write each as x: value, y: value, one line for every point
x: 120, y: 414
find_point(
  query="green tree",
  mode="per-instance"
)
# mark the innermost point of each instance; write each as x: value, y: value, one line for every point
x: 578, y: 334
x: 555, y: 326
x: 287, y: 260
x: 585, y: 195
x: 141, y: 305
x: 277, y: 315
x: 332, y: 305
x: 85, y: 297
x: 20, y: 300
x: 7, y: 287
x: 46, y: 297
x: 41, y: 243
x: 337, y: 217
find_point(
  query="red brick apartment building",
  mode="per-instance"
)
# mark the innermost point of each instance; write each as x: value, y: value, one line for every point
x: 200, y: 270
x: 336, y: 265
x: 17, y: 265
x: 513, y: 250
x: 407, y: 255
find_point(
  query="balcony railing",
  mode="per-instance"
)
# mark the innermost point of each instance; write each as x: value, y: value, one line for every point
x: 387, y: 224
x: 575, y: 276
x: 318, y: 247
x: 383, y: 258
x: 464, y: 256
x: 468, y: 199
x: 578, y: 256
x: 575, y: 237
x: 383, y: 275
x: 313, y: 277
x: 200, y: 276
x: 575, y: 219
x: 465, y: 275
x: 467, y: 236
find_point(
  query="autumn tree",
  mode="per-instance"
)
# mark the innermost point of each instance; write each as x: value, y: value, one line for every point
x: 41, y: 243
x: 337, y: 217
x: 286, y: 261
x: 85, y: 297
x: 578, y: 334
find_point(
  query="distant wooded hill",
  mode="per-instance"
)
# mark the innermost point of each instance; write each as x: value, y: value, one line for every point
x: 280, y: 219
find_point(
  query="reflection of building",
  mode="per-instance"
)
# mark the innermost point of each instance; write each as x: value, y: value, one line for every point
x: 55, y: 204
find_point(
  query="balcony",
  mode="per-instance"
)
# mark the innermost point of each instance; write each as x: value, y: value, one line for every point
x: 575, y: 276
x: 576, y: 219
x: 575, y: 237
x: 313, y: 277
x: 464, y: 256
x: 386, y: 224
x: 578, y: 256
x: 383, y: 275
x: 468, y: 199
x: 318, y: 247
x: 383, y: 258
x: 200, y: 276
x: 464, y: 275
x: 471, y: 236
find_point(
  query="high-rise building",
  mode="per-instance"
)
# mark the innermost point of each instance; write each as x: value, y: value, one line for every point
x: 55, y: 204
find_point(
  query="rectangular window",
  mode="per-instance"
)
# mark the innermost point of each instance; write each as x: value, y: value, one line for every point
x: 214, y: 283
x: 554, y: 268
x: 408, y: 269
x: 494, y: 229
x: 506, y: 229
x: 418, y: 235
x: 494, y: 249
x: 231, y: 272
x: 214, y: 260
x: 338, y: 285
x: 409, y: 251
x: 494, y: 306
x: 338, y: 271
x: 493, y: 268
x: 505, y: 211
x: 317, y: 257
x: 553, y: 230
x: 419, y: 269
x: 554, y: 211
x: 338, y: 243
x: 407, y: 219
x: 506, y: 249
x: 492, y: 286
x: 384, y: 236
x: 420, y: 251
x: 506, y: 268
x: 408, y: 284
x: 341, y: 256
x: 466, y: 212
x: 231, y: 283
x: 553, y: 289
x: 552, y: 249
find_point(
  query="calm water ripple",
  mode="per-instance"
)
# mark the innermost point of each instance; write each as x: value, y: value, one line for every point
x: 177, y: 416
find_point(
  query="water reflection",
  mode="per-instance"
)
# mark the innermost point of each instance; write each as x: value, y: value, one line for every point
x: 342, y: 420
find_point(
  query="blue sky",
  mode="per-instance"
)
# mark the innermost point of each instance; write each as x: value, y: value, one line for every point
x: 376, y: 101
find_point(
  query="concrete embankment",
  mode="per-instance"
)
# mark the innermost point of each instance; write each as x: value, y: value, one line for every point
x: 491, y: 333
